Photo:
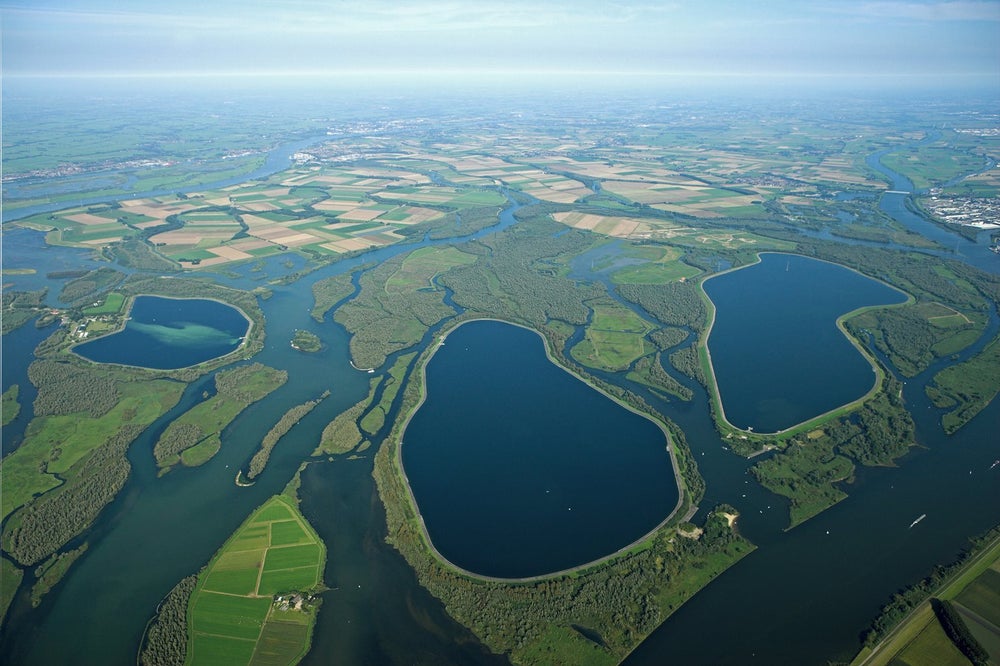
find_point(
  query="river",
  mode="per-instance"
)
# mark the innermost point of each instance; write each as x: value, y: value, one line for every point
x: 802, y: 597
x: 277, y: 159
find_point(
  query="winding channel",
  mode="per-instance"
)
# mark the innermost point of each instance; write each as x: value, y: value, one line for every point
x: 802, y: 597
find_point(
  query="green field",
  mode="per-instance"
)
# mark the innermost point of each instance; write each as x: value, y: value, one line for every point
x: 421, y: 267
x: 234, y: 616
x: 53, y: 445
x: 933, y: 164
x: 10, y: 406
x: 664, y: 266
x: 10, y: 579
x: 967, y: 388
x: 193, y: 437
x: 112, y: 304
x: 919, y: 640
x: 614, y: 339
x: 931, y: 647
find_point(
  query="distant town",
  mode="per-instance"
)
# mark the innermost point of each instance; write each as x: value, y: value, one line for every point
x: 979, y: 212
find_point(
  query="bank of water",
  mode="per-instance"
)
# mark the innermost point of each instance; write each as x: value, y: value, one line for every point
x: 277, y: 159
x: 170, y: 333
x: 160, y: 529
x: 778, y: 356
x: 806, y: 596
x: 894, y: 204
x: 519, y: 469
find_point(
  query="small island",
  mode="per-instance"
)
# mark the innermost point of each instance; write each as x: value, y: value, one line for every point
x: 304, y: 341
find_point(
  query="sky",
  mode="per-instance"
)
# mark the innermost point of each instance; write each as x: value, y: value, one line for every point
x: 889, y: 39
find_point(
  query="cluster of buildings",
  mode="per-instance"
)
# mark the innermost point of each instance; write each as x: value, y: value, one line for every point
x: 974, y: 212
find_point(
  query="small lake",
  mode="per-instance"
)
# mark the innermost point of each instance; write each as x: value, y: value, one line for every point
x: 519, y: 468
x: 171, y: 333
x: 778, y: 355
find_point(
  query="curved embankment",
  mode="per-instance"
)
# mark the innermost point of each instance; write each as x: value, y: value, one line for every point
x: 705, y: 356
x: 682, y: 498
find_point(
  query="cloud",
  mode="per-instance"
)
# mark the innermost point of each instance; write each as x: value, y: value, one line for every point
x: 949, y: 11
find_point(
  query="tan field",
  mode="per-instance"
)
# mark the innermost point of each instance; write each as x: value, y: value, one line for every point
x: 87, y: 218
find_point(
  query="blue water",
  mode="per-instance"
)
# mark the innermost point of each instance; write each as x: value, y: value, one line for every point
x: 778, y: 355
x: 520, y: 469
x: 169, y: 333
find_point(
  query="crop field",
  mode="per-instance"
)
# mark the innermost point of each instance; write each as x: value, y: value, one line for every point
x: 671, y: 232
x: 933, y: 164
x: 982, y: 596
x: 525, y: 178
x: 233, y: 615
x: 931, y: 647
x: 329, y: 211
x: 986, y: 184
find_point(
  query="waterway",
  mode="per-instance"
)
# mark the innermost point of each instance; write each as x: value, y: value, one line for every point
x: 160, y: 529
x: 895, y: 204
x: 170, y: 333
x: 802, y: 597
x: 781, y: 361
x: 276, y: 160
x: 559, y: 476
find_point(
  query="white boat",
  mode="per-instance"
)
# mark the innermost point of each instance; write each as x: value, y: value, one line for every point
x: 922, y: 516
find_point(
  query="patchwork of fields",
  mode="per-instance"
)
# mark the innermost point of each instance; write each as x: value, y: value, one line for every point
x: 251, y: 605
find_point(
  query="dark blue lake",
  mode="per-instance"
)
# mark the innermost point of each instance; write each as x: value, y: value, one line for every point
x: 778, y: 355
x: 520, y: 469
x: 171, y: 333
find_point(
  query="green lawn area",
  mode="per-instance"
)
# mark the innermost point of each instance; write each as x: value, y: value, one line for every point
x: 11, y: 407
x: 421, y: 267
x: 54, y: 444
x: 10, y: 579
x: 982, y: 596
x: 568, y: 646
x: 233, y: 617
x: 210, y: 417
x: 614, y: 339
x: 112, y: 305
x: 664, y: 266
x: 967, y: 387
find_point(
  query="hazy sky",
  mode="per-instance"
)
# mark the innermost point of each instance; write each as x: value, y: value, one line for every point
x: 821, y: 38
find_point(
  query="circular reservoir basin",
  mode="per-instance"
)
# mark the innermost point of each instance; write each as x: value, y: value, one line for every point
x: 777, y: 353
x: 520, y: 469
x: 171, y: 333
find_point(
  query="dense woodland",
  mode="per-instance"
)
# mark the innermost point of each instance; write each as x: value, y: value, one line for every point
x: 71, y: 388
x: 48, y: 523
x: 381, y: 322
x: 279, y: 430
x: 19, y: 307
x: 91, y: 286
x: 165, y: 642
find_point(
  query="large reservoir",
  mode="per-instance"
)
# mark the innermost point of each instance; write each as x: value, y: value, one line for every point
x: 519, y: 468
x: 778, y: 355
x: 171, y: 333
